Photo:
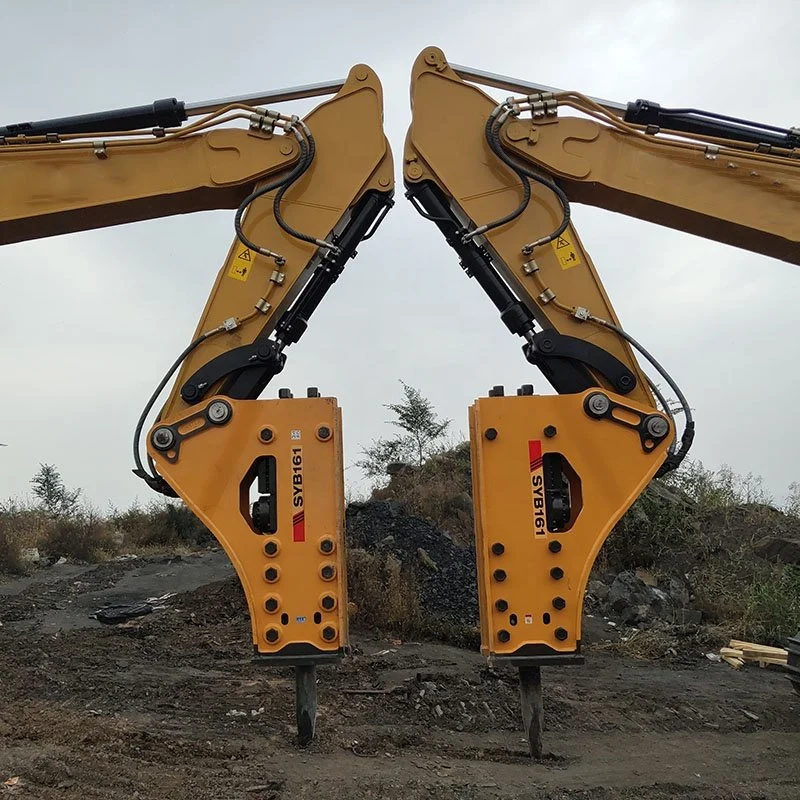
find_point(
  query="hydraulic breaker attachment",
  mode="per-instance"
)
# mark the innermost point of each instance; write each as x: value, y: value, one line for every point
x: 266, y: 477
x: 551, y: 476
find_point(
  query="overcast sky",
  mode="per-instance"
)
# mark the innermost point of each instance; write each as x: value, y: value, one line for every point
x: 85, y: 331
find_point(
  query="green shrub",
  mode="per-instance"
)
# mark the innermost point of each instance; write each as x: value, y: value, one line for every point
x: 83, y: 536
x: 383, y: 591
x: 10, y: 546
x: 772, y: 606
x: 161, y: 524
x: 439, y: 491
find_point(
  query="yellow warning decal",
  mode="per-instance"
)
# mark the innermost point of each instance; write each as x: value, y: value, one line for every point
x: 242, y: 264
x: 565, y: 251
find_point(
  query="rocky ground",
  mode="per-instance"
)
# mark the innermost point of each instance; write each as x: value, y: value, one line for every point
x: 170, y: 706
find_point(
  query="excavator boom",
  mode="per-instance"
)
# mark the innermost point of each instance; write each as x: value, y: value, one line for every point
x: 552, y: 475
x: 265, y: 476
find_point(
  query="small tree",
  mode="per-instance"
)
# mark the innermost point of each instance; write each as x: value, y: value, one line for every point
x: 54, y: 498
x: 423, y: 431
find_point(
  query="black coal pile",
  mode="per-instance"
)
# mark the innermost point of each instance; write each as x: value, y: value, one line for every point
x: 444, y: 571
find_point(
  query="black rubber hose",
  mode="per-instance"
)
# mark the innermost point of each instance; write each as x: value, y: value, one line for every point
x: 493, y: 138
x: 140, y: 470
x: 302, y: 165
x: 276, y: 204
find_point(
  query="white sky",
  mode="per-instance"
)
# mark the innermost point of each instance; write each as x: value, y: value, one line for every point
x: 89, y: 322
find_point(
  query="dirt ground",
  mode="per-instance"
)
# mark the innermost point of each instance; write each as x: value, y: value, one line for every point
x: 171, y: 707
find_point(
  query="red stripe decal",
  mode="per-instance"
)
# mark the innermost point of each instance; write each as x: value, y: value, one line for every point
x: 535, y: 454
x: 299, y: 527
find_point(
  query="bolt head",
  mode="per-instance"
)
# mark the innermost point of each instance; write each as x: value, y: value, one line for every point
x: 271, y: 548
x: 490, y: 434
x: 598, y: 404
x: 163, y: 438
x: 625, y: 381
x: 219, y: 412
x: 266, y: 435
x: 657, y: 427
x: 271, y: 574
x: 328, y: 602
x: 272, y: 635
x: 550, y: 431
x: 546, y: 345
x: 561, y: 634
x: 324, y: 432
x: 328, y: 633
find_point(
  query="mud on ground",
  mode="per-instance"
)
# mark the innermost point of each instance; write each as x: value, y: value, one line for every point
x: 170, y: 706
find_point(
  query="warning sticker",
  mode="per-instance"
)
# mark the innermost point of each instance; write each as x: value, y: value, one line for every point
x: 565, y: 251
x: 242, y: 263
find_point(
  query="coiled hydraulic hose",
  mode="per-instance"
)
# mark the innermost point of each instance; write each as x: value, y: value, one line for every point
x: 150, y: 476
x: 492, y: 133
x: 308, y: 149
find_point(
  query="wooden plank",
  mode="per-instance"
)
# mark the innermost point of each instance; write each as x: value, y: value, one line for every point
x: 736, y: 663
x: 764, y: 661
x: 736, y: 644
x: 749, y: 655
x: 730, y: 651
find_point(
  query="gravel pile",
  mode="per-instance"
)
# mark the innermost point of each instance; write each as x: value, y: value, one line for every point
x: 444, y: 571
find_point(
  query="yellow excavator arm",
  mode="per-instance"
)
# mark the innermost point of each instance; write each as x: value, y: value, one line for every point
x: 498, y: 180
x: 266, y: 476
x: 553, y: 474
x: 306, y: 192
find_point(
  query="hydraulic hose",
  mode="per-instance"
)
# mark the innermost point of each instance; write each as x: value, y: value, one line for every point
x: 308, y: 149
x: 492, y: 133
x: 140, y: 471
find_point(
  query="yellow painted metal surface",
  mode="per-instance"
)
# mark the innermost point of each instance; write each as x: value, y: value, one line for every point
x: 50, y: 189
x: 523, y: 582
x: 352, y: 157
x: 58, y: 187
x: 210, y: 472
x: 446, y: 144
x: 750, y: 200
